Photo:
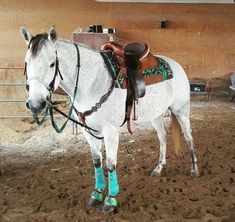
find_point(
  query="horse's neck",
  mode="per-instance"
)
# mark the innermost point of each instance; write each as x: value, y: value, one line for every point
x: 67, y: 65
x: 94, y: 79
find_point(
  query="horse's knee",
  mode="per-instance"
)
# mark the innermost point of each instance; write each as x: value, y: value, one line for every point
x: 96, y: 161
x: 111, y: 164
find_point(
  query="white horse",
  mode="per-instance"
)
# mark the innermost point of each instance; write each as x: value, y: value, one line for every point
x: 93, y: 82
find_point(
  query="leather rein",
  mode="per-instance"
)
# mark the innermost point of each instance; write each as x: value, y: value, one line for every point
x: 51, y: 105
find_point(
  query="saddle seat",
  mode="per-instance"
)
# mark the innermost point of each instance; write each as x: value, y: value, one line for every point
x: 138, y: 57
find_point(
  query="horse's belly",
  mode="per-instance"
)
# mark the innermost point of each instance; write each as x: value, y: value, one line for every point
x: 156, y: 101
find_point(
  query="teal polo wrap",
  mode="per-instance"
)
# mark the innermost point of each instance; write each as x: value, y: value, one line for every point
x: 99, y: 179
x: 113, y: 184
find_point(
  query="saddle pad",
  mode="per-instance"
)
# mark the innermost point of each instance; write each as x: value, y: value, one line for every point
x: 151, y: 76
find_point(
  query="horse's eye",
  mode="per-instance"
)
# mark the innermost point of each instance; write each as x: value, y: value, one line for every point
x: 52, y: 65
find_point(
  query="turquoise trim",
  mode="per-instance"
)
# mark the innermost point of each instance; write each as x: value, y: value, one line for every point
x: 112, y: 68
x: 110, y: 201
x: 162, y: 69
x: 100, y: 183
x: 113, y: 184
x: 97, y: 196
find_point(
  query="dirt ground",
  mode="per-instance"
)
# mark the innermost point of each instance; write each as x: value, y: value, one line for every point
x: 49, y: 177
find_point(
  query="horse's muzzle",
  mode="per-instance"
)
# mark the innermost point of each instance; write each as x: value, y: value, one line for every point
x: 36, y: 107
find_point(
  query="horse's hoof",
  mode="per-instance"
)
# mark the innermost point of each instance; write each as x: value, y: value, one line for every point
x: 194, y: 174
x: 96, y: 199
x: 110, y: 205
x: 94, y: 203
x: 108, y: 209
x: 155, y: 174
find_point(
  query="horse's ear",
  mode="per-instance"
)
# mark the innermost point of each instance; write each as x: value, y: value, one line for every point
x: 52, y: 34
x: 27, y: 36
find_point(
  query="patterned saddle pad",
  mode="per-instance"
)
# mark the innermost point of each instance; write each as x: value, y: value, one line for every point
x: 160, y: 73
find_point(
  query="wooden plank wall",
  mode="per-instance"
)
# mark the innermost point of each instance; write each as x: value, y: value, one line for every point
x: 199, y: 36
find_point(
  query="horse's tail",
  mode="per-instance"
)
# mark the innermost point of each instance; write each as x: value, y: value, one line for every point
x: 176, y: 131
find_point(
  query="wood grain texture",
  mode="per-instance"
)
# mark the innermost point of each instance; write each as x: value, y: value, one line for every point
x: 199, y: 36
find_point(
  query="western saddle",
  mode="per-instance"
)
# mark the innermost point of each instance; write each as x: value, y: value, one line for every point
x: 132, y: 60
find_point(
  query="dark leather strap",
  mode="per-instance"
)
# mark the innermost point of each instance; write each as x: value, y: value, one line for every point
x: 57, y: 71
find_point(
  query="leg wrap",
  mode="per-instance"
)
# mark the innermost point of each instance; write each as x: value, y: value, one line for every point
x: 113, y: 184
x: 99, y: 179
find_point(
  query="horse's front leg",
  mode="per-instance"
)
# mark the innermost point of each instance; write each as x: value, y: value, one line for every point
x: 100, y: 184
x: 111, y: 140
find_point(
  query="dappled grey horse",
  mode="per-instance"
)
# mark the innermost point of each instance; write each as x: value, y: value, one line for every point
x: 83, y: 75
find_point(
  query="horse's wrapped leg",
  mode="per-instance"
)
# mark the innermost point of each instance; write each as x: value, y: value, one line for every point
x: 110, y: 202
x: 96, y: 196
x: 99, y: 179
x: 111, y: 137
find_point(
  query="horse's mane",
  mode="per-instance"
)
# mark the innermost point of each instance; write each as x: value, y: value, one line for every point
x: 37, y: 42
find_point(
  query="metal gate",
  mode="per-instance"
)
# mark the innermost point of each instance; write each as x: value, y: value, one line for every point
x: 20, y: 101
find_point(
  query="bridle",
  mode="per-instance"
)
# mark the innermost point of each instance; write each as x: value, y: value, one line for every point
x: 51, y: 105
x: 51, y: 86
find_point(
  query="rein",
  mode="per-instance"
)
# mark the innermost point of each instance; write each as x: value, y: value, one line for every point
x: 51, y: 105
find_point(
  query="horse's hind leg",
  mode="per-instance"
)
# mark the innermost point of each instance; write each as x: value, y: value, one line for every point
x: 159, y: 126
x: 95, y: 146
x: 182, y: 116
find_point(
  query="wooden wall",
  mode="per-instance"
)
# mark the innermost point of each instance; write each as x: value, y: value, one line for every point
x: 199, y: 36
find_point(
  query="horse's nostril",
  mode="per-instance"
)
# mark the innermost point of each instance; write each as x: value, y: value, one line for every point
x: 35, y: 106
x: 43, y: 105
x: 27, y: 105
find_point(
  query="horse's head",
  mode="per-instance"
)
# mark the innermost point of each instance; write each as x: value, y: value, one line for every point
x: 41, y: 68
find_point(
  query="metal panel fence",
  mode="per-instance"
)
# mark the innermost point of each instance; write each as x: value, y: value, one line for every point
x: 7, y: 101
x: 10, y: 84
